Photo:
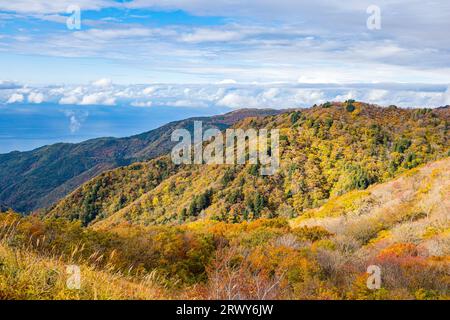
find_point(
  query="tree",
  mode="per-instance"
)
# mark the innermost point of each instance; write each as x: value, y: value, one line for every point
x: 402, y: 145
x: 350, y: 107
x: 200, y: 202
x: 295, y: 116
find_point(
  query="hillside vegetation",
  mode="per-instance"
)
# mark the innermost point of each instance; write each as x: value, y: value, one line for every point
x: 38, y: 178
x: 326, y: 151
x: 26, y: 275
x: 401, y: 226
x: 358, y: 186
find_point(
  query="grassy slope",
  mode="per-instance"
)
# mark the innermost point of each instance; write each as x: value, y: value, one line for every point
x: 25, y: 275
x: 413, y: 208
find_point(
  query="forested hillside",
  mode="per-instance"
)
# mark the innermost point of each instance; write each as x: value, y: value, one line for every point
x: 326, y: 151
x: 401, y: 226
x: 38, y: 178
x: 358, y: 185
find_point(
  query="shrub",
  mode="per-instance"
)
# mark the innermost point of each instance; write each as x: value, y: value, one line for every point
x: 350, y: 107
x: 295, y: 117
x: 312, y: 234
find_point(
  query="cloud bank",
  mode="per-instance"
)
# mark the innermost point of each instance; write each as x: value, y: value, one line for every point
x: 228, y: 94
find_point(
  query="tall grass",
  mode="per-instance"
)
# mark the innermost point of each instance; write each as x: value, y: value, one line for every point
x: 26, y: 273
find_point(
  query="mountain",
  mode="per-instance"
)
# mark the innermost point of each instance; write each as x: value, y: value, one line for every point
x: 326, y: 151
x: 38, y: 178
x: 400, y: 226
x: 360, y: 188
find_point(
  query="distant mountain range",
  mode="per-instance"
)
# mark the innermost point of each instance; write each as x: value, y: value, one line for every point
x: 38, y: 178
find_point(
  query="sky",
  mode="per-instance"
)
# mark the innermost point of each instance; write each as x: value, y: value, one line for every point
x: 69, y: 57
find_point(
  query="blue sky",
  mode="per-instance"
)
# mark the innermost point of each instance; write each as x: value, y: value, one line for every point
x: 209, y: 56
x: 202, y: 41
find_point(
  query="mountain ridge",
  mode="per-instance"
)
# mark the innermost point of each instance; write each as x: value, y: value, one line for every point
x: 326, y: 151
x: 36, y: 179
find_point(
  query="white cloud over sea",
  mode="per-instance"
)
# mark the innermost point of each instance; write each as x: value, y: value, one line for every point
x: 228, y: 94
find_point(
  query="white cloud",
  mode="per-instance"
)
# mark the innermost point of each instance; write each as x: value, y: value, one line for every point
x: 74, y: 124
x: 211, y: 35
x: 274, y: 95
x: 308, y: 97
x: 227, y: 81
x: 8, y: 84
x: 104, y: 82
x: 98, y: 99
x: 75, y: 120
x: 142, y: 104
x: 35, y: 97
x: 51, y: 6
x: 235, y: 100
x: 109, y: 102
x: 263, y: 41
x: 328, y: 44
x: 270, y: 94
x: 68, y: 100
x: 78, y: 90
x: 188, y: 103
x: 350, y: 94
x: 376, y: 95
x: 446, y: 97
x: 112, y: 34
x: 15, y: 98
x: 321, y: 76
x: 149, y: 90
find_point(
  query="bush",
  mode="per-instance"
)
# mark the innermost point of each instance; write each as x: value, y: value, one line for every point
x: 350, y: 107
x: 402, y: 145
x: 312, y: 234
x: 295, y: 117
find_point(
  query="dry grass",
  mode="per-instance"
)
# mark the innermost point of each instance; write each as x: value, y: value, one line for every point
x: 27, y: 275
x: 412, y: 208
